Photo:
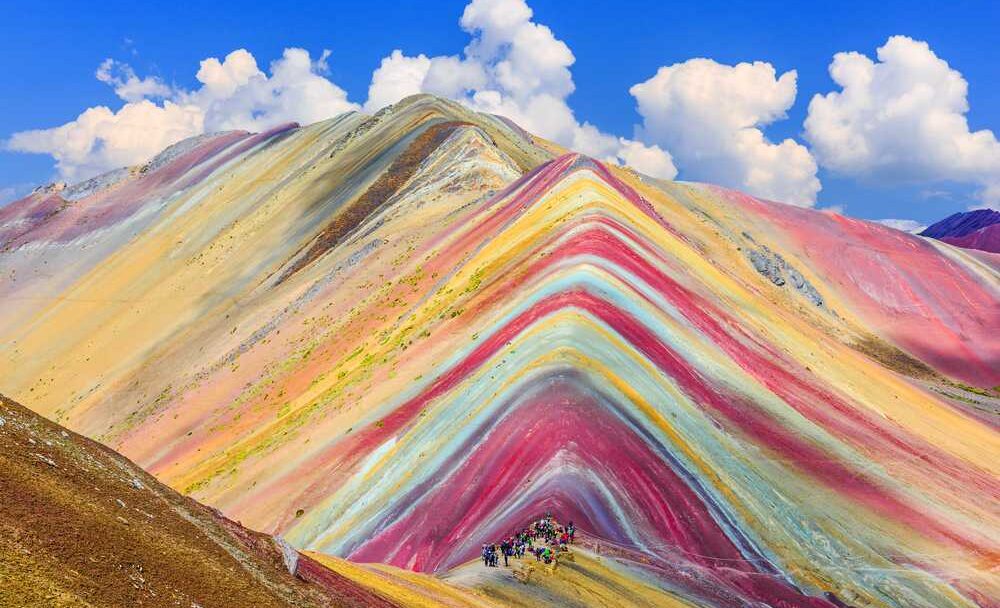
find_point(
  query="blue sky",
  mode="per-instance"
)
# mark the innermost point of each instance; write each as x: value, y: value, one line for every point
x: 49, y: 52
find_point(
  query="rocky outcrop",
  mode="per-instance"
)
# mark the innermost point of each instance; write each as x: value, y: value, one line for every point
x: 776, y: 269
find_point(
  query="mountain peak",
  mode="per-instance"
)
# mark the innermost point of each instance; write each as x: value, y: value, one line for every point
x: 976, y: 229
x: 962, y: 223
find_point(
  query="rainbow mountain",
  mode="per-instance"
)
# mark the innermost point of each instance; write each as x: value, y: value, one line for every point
x: 393, y: 338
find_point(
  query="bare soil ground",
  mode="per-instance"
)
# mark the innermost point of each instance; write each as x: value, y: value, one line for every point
x: 81, y: 525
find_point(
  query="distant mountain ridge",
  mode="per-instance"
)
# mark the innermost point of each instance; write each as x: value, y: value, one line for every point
x: 977, y: 229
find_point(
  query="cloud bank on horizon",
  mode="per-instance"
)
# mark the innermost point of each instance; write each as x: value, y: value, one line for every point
x: 234, y: 94
x: 899, y: 118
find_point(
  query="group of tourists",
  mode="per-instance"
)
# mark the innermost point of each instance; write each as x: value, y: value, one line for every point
x: 543, y: 539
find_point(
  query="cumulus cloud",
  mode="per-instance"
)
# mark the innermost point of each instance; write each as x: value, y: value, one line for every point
x: 911, y: 226
x: 902, y: 118
x: 234, y: 94
x: 127, y: 85
x: 709, y: 116
x: 396, y: 77
x: 516, y: 67
x: 100, y: 139
x: 651, y: 160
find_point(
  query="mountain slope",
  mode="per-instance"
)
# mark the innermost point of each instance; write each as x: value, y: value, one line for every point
x: 587, y: 576
x: 960, y: 224
x: 82, y: 526
x: 394, y: 338
x: 983, y: 239
x: 978, y: 229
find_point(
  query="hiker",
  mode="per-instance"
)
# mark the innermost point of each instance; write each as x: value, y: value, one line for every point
x: 544, y: 538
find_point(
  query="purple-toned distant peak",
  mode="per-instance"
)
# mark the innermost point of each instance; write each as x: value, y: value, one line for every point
x: 979, y: 229
x: 984, y: 239
x: 962, y: 223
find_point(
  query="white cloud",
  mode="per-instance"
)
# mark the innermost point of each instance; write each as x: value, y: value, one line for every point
x: 910, y: 226
x: 515, y: 67
x: 454, y: 77
x: 397, y: 77
x: 902, y: 118
x: 127, y: 85
x: 100, y: 139
x: 651, y: 160
x: 234, y: 94
x: 710, y: 115
x: 511, y: 66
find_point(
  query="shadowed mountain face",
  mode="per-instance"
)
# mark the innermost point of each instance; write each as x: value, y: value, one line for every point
x: 978, y: 229
x: 82, y: 526
x: 395, y: 338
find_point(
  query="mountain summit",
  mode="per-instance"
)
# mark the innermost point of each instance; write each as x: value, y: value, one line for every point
x: 395, y: 338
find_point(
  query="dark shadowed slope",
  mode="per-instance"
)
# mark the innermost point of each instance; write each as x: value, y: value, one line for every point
x: 83, y: 526
x: 978, y: 229
x: 983, y: 239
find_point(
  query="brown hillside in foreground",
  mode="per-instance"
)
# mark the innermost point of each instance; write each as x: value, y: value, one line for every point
x: 83, y: 526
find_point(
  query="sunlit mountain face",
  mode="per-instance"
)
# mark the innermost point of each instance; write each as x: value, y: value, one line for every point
x: 394, y: 338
